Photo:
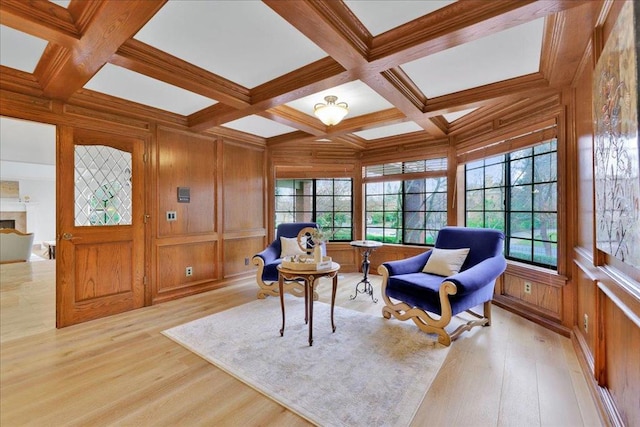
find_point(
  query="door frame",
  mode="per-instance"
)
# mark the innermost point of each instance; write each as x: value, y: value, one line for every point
x: 66, y: 134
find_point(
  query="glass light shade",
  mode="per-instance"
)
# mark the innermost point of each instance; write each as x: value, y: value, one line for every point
x: 331, y: 113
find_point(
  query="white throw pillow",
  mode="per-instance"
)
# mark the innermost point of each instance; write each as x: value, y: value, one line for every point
x: 289, y: 246
x: 445, y: 262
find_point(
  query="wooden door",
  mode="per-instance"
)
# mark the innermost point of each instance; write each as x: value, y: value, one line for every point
x: 100, y: 225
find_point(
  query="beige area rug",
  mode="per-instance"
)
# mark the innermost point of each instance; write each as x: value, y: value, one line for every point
x: 370, y: 372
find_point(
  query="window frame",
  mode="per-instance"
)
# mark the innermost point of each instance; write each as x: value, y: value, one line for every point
x: 312, y: 212
x: 401, y: 174
x: 508, y: 186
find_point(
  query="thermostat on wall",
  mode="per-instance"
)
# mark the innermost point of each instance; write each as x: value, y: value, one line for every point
x: 184, y: 194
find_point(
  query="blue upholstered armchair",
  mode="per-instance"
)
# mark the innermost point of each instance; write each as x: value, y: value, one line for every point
x: 459, y: 273
x: 269, y: 259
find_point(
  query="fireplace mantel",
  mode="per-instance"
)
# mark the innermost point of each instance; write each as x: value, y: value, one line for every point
x: 25, y: 214
x: 12, y: 206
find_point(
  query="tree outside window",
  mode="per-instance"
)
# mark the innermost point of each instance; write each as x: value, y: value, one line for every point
x: 408, y: 211
x: 327, y: 202
x: 517, y: 193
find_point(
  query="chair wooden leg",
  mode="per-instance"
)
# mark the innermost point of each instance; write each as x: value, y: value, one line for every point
x: 482, y: 320
x: 487, y: 312
x: 270, y: 289
x: 424, y: 320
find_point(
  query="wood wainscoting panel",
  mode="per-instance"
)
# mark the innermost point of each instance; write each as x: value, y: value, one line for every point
x: 186, y: 160
x: 243, y: 187
x: 347, y: 256
x: 173, y: 260
x: 587, y: 288
x: 238, y: 253
x: 103, y: 269
x: 543, y: 298
x: 622, y: 361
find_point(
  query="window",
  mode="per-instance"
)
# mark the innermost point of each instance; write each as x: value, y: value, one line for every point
x: 383, y: 203
x: 103, y: 191
x: 517, y: 193
x: 409, y: 210
x: 425, y: 209
x: 328, y: 202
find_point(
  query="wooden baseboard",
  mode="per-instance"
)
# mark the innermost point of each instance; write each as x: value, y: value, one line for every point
x: 510, y: 305
x: 607, y: 410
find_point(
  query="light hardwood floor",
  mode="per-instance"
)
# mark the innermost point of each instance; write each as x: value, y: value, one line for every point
x: 121, y: 371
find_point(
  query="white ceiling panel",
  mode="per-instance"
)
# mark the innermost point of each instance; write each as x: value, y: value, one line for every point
x: 380, y: 16
x: 259, y: 126
x: 132, y: 86
x: 391, y: 130
x: 63, y: 3
x: 452, y: 117
x: 26, y: 57
x: 510, y: 53
x: 243, y: 41
x: 360, y: 98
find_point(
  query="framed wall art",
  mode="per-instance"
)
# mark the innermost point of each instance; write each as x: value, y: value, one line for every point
x: 616, y: 151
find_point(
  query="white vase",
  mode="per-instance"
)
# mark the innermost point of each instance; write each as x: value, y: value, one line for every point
x: 317, y: 254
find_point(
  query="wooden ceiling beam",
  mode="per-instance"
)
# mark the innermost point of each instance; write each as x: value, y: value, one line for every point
x: 465, y: 21
x: 454, y: 25
x: 89, y: 34
x: 329, y: 26
x: 113, y: 23
x: 566, y: 39
x: 367, y: 121
x: 213, y: 116
x: 142, y: 58
x: 389, y: 88
x: 42, y: 19
x: 480, y: 96
x: 334, y: 28
x: 312, y: 78
x: 355, y: 124
x: 317, y: 76
x: 352, y: 141
x: 298, y: 137
x: 290, y: 137
x: 18, y: 81
x: 294, y: 118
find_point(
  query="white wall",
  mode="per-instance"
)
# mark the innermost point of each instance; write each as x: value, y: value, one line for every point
x: 38, y: 183
x: 27, y: 155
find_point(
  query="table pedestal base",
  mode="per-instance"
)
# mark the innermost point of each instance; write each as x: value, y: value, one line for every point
x: 366, y: 288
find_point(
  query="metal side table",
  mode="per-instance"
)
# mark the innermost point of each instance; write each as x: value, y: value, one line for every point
x: 364, y: 286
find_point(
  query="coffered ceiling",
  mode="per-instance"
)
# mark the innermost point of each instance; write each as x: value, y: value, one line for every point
x: 257, y: 68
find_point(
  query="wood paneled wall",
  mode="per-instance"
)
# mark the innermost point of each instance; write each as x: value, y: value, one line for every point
x: 607, y: 327
x: 181, y: 159
x: 244, y: 198
x: 185, y: 160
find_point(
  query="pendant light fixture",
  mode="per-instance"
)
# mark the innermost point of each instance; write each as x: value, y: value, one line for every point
x: 331, y: 113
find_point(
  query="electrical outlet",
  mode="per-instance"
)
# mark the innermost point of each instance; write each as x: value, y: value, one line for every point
x: 527, y: 287
x: 172, y: 215
x: 188, y: 271
x: 246, y: 261
x: 585, y: 323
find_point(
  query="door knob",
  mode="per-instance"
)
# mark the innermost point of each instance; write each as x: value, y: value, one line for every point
x: 67, y: 236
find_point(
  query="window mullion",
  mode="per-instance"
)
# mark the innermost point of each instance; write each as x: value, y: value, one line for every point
x: 507, y: 203
x: 314, y: 216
